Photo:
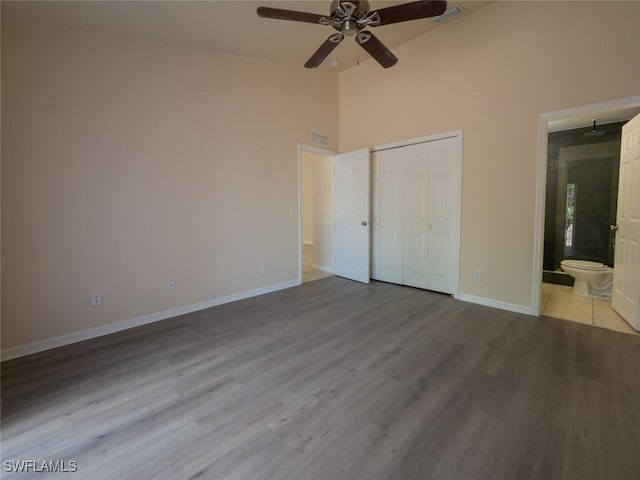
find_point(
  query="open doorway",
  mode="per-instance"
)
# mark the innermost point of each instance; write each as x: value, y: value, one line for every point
x: 315, y: 213
x: 553, y: 291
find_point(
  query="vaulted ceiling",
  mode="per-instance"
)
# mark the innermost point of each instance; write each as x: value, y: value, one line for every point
x: 230, y: 27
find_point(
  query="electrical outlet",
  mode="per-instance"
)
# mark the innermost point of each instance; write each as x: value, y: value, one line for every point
x: 264, y: 268
x: 171, y: 285
x: 477, y: 275
x: 96, y: 298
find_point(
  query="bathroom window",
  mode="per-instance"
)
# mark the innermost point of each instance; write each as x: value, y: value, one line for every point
x: 569, y: 229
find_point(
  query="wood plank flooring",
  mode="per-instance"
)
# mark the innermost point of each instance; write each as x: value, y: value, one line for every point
x: 333, y: 380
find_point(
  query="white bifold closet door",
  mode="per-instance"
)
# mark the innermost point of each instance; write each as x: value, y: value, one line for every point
x: 415, y: 213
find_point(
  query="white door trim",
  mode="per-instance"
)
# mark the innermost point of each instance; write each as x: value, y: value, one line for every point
x: 541, y: 181
x: 319, y: 151
x: 457, y: 194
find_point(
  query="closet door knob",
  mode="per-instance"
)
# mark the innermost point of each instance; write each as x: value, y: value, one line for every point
x: 364, y: 224
x: 614, y: 228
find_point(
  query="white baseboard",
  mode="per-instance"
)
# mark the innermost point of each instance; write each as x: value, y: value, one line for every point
x: 323, y: 268
x: 488, y: 302
x: 75, y: 337
x: 307, y: 242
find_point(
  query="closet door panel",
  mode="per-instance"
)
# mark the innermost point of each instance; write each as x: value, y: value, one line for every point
x: 439, y: 270
x: 391, y: 233
x: 375, y: 216
x: 440, y: 257
x: 414, y: 266
x: 390, y: 267
x: 416, y: 213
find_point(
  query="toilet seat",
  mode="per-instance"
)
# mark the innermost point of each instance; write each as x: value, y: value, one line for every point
x: 584, y: 265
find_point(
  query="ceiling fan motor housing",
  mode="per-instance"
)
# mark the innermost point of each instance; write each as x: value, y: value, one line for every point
x: 345, y: 15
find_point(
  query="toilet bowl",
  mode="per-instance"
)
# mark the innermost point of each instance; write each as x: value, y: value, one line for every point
x: 586, y: 274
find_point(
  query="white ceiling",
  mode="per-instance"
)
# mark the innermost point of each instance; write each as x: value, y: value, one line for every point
x: 231, y: 27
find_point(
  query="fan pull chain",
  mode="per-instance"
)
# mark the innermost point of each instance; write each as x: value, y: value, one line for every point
x: 357, y: 54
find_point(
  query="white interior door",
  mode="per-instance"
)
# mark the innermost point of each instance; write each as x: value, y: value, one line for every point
x: 626, y: 275
x: 351, y: 243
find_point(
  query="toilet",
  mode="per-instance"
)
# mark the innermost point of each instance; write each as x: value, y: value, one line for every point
x: 591, y: 278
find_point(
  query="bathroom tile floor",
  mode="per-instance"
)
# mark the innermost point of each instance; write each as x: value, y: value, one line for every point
x: 558, y: 301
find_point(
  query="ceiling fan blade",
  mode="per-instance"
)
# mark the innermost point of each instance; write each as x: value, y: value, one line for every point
x: 410, y: 11
x: 325, y: 49
x: 376, y: 49
x: 280, y: 14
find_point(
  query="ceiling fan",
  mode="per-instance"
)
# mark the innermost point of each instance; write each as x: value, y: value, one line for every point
x: 351, y: 17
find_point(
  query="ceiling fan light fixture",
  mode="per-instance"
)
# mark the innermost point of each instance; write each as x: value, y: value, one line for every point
x: 350, y: 28
x: 448, y: 14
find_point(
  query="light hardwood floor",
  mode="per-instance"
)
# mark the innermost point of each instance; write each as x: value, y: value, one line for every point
x: 334, y: 380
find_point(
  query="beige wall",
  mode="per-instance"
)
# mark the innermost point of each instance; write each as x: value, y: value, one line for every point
x: 491, y: 74
x: 317, y: 178
x: 127, y: 163
x: 322, y: 178
x: 306, y: 180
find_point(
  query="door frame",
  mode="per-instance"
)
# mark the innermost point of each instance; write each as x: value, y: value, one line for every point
x: 318, y: 151
x: 457, y: 213
x: 541, y: 180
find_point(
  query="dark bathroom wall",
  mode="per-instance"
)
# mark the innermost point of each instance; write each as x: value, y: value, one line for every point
x: 597, y: 192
